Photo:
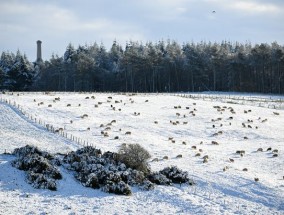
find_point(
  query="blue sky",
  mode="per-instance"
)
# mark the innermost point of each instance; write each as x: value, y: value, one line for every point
x: 58, y: 22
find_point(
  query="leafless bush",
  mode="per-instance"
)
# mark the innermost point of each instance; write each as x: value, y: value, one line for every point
x: 134, y: 156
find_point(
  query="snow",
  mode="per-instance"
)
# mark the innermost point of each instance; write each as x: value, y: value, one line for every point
x: 233, y: 191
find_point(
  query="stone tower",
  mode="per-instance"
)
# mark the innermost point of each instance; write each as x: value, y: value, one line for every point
x: 38, y: 54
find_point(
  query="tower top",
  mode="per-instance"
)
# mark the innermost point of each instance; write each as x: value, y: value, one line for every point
x: 39, y: 59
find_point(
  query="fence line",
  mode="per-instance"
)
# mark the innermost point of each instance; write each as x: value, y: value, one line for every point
x: 277, y: 103
x: 46, y: 125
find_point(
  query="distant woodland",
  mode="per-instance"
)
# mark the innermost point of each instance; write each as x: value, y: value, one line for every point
x: 164, y: 66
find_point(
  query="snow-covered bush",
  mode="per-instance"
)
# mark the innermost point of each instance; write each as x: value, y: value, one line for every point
x: 108, y: 172
x: 39, y: 166
x: 159, y: 178
x: 117, y: 188
x: 93, y: 169
x: 175, y: 174
x: 134, y: 156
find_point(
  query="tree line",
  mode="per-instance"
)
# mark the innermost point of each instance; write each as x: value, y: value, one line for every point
x: 164, y: 66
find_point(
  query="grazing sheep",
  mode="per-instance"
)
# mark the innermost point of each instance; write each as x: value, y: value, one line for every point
x: 179, y: 156
x: 96, y: 106
x: 245, y: 138
x: 240, y: 151
x: 177, y: 114
x: 231, y: 160
x: 200, y: 150
x: 84, y: 116
x: 256, y: 179
x: 173, y: 141
x: 109, y: 97
x: 260, y: 149
x: 171, y: 138
x: 128, y: 133
x: 264, y: 120
x: 49, y: 105
x: 113, y: 121
x: 245, y: 111
x: 93, y: 97
x: 275, y: 151
x: 193, y: 147
x: 107, y: 128
x: 183, y: 142
x: 185, y: 123
x: 156, y: 122
x: 201, y: 143
x: 102, y: 125
x: 269, y: 149
x: 225, y: 168
x: 245, y: 169
x: 87, y: 97
x: 165, y: 157
x: 275, y: 155
x: 88, y: 128
x: 197, y: 154
x: 205, y: 157
x: 68, y: 105
x: 276, y: 113
x: 155, y: 160
x: 215, y: 142
x: 147, y: 100
x: 187, y: 108
x: 116, y: 137
x: 249, y: 126
x: 71, y: 121
x: 205, y: 160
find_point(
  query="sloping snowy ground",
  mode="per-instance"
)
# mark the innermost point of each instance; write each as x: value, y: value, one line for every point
x: 233, y: 191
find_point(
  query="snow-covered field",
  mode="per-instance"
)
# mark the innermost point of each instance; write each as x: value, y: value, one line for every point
x: 152, y: 119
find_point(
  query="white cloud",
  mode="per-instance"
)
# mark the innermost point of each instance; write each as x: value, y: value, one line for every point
x: 255, y: 7
x: 248, y: 6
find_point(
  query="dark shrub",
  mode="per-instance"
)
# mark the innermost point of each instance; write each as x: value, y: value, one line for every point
x: 117, y: 188
x: 159, y: 178
x: 39, y: 165
x: 175, y: 174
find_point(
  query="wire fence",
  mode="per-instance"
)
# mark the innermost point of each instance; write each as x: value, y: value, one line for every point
x: 48, y: 126
x: 273, y: 102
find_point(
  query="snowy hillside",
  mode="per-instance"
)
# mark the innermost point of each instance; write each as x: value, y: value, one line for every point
x: 164, y: 124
